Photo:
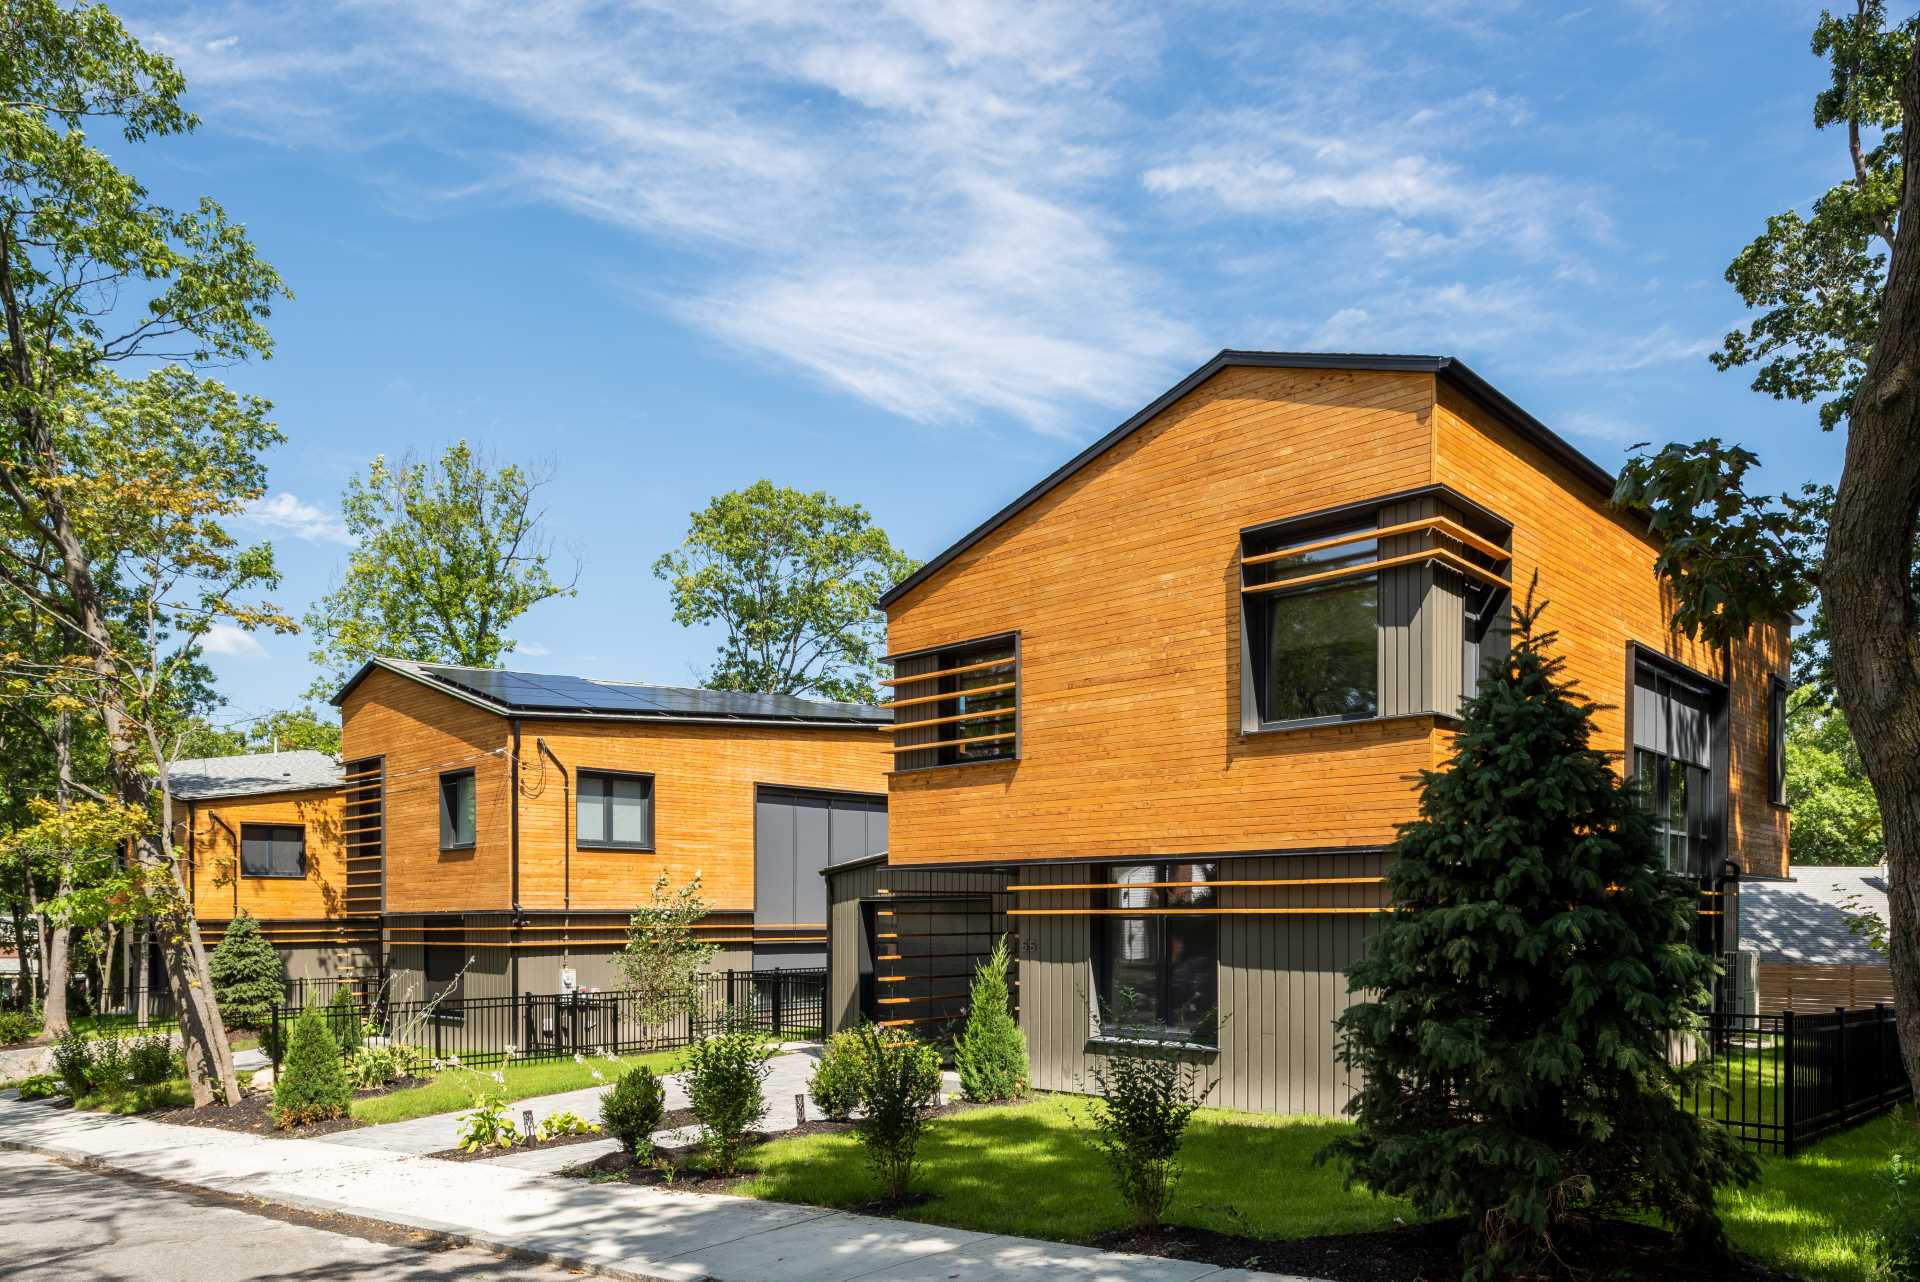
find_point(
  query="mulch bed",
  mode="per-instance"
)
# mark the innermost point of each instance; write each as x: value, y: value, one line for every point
x: 676, y: 1118
x: 253, y: 1115
x: 1430, y: 1253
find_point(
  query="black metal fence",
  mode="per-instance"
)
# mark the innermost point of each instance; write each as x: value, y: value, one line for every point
x: 487, y: 1031
x: 1779, y: 1081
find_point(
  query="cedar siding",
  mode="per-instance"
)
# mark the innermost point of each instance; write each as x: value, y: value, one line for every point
x: 1122, y: 583
x: 219, y: 889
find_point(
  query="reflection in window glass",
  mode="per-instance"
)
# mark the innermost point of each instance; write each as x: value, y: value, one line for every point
x: 1322, y: 653
x: 1159, y: 971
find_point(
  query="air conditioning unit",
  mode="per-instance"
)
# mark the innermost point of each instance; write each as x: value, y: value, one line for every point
x: 1740, y: 984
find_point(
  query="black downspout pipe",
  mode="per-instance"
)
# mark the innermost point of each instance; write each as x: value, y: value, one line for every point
x: 566, y: 826
x: 513, y: 983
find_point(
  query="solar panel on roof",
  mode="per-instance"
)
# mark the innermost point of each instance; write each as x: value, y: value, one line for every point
x: 557, y: 693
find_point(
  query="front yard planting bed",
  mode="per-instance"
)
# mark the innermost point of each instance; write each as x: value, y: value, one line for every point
x: 253, y: 1115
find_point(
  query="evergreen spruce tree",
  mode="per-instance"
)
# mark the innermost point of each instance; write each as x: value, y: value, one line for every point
x: 246, y: 974
x: 1524, y: 993
x: 991, y: 1056
x: 312, y: 1085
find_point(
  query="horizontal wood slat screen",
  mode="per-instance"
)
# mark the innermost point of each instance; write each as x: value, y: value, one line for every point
x: 1451, y: 559
x: 1807, y: 986
x: 969, y: 688
x: 1195, y: 912
x: 1187, y: 885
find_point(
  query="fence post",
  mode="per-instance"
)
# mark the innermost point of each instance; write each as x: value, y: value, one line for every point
x: 274, y: 1048
x: 779, y: 986
x: 1840, y: 1062
x: 1786, y: 1091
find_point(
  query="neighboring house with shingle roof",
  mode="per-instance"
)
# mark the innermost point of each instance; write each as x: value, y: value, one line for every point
x: 1810, y: 958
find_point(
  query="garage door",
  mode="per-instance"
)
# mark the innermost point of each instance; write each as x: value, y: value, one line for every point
x: 796, y: 833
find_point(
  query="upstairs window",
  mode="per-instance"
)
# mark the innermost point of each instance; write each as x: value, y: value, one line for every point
x: 615, y: 810
x: 1777, y: 741
x: 1158, y: 971
x: 273, y: 850
x: 1679, y: 747
x: 457, y: 814
x: 1387, y: 608
x: 957, y: 705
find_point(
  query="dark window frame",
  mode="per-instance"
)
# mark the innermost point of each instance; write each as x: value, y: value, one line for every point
x: 1110, y: 1030
x: 1777, y: 694
x: 449, y: 1003
x: 282, y: 827
x: 1258, y: 629
x: 1719, y: 798
x: 652, y: 799
x: 953, y: 654
x: 449, y: 832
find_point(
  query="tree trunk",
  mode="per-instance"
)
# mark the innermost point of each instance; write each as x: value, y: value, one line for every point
x: 1875, y: 646
x: 23, y: 987
x: 39, y: 945
x: 60, y: 946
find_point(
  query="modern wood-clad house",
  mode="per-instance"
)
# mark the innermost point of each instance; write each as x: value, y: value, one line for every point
x: 510, y: 822
x: 263, y: 834
x: 1162, y: 713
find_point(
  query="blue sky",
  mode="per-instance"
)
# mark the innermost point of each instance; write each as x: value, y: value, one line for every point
x: 917, y: 255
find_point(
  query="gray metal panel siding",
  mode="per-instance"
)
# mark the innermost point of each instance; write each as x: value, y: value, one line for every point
x: 846, y: 940
x: 774, y: 858
x: 1282, y: 983
x: 1407, y: 636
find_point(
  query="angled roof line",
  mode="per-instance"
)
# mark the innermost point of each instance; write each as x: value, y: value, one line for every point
x: 428, y: 674
x: 1446, y: 367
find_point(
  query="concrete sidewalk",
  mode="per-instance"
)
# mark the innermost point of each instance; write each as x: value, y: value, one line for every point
x: 614, y: 1229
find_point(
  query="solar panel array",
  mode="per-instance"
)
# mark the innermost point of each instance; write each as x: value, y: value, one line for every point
x: 536, y: 692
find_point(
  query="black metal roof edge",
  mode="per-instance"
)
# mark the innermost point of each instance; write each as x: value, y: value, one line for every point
x: 499, y: 707
x: 849, y: 865
x: 1443, y: 366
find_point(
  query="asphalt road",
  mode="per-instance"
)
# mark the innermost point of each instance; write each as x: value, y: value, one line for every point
x: 59, y: 1222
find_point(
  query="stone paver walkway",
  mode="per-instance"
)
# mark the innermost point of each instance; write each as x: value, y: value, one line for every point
x: 616, y: 1230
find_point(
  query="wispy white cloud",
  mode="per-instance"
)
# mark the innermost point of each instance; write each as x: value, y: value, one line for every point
x: 232, y: 641
x: 1622, y: 353
x: 296, y: 516
x: 531, y: 649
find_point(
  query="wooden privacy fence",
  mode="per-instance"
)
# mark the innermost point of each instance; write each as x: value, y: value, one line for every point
x: 486, y: 1031
x: 1778, y: 1081
x: 1805, y: 986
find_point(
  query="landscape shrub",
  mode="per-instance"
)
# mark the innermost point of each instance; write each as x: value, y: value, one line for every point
x: 1895, y: 1245
x: 487, y: 1126
x: 835, y: 1085
x: 371, y: 1067
x: 107, y: 1065
x: 899, y: 1081
x: 40, y: 1086
x: 559, y: 1125
x: 343, y: 1018
x: 1139, y: 1121
x: 633, y: 1109
x: 19, y: 1026
x: 312, y: 1085
x: 991, y: 1055
x: 152, y: 1060
x: 246, y: 974
x: 73, y: 1063
x: 724, y: 1076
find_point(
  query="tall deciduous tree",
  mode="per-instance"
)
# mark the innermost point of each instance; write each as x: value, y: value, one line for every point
x: 1836, y: 818
x: 94, y: 275
x: 793, y: 580
x: 1527, y: 991
x: 1837, y: 332
x: 449, y: 554
x: 286, y: 730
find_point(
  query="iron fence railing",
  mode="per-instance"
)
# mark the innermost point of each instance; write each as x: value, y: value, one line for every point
x: 1778, y: 1081
x: 483, y: 1032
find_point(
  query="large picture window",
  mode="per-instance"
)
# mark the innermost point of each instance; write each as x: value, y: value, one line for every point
x: 615, y: 810
x: 1158, y: 972
x: 273, y: 850
x: 458, y: 825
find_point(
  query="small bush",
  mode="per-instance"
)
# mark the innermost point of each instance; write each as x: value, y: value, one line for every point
x: 724, y: 1076
x: 1139, y: 1122
x: 559, y: 1125
x: 151, y: 1060
x: 991, y: 1056
x: 312, y: 1086
x: 73, y: 1063
x: 107, y: 1070
x: 19, y: 1026
x: 633, y: 1109
x: 246, y: 973
x: 899, y: 1081
x: 1895, y: 1246
x: 835, y: 1084
x: 488, y: 1126
x: 371, y: 1067
x: 40, y: 1086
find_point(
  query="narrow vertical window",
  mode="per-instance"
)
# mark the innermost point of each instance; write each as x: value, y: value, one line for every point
x: 458, y: 824
x: 1777, y: 741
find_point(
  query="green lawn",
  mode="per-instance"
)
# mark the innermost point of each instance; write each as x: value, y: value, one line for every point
x: 1023, y: 1169
x: 139, y: 1099
x: 1810, y: 1212
x: 454, y: 1089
